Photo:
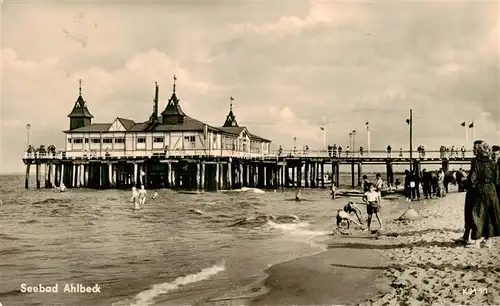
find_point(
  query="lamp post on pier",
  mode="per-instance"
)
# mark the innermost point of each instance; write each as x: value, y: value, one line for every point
x: 28, y: 127
x: 353, y: 141
x: 410, y: 123
x: 294, y: 145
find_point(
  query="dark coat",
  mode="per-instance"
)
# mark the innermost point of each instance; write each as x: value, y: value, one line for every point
x: 482, y: 210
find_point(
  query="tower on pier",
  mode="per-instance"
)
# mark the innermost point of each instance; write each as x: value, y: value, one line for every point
x: 80, y: 115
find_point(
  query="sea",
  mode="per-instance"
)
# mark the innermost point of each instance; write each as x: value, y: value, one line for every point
x: 182, y: 248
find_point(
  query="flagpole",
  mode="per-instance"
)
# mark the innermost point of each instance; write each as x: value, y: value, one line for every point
x: 368, y: 140
x: 474, y: 131
x: 466, y: 138
x: 324, y: 138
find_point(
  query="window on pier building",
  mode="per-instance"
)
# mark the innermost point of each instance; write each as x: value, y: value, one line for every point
x: 77, y: 140
x: 107, y: 140
x: 86, y: 140
x: 141, y: 139
x: 69, y: 140
x: 158, y: 139
x: 119, y: 140
x: 190, y: 142
x: 95, y: 140
x: 228, y: 143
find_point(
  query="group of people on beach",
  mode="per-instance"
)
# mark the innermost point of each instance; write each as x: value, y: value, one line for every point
x: 482, y: 200
x: 139, y: 197
x: 372, y: 198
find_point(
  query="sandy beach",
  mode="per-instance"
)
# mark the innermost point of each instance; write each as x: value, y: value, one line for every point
x: 425, y: 267
x: 413, y: 263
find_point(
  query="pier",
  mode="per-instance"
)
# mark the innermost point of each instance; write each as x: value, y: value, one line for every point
x: 174, y: 150
x: 199, y: 170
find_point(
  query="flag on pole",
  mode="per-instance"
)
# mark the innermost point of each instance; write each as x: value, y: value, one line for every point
x: 471, y: 125
x: 322, y: 128
x: 463, y: 123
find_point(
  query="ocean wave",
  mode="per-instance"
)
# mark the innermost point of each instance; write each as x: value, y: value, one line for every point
x: 261, y: 220
x: 248, y: 189
x: 52, y: 201
x: 145, y: 298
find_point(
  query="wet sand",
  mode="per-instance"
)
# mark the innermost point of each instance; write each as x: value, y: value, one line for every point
x: 341, y: 275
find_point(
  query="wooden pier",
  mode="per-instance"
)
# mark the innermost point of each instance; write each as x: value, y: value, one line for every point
x: 202, y: 172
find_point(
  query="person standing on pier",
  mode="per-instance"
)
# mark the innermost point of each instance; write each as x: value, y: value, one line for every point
x: 389, y: 151
x: 334, y: 149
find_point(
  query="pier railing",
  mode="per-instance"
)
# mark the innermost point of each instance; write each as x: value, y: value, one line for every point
x: 378, y: 154
x: 278, y: 154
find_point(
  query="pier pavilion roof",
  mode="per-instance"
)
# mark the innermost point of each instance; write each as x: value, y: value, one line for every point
x: 80, y: 109
x: 172, y: 119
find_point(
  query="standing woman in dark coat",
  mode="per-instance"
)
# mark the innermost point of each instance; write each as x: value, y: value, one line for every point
x: 496, y: 158
x: 482, y: 210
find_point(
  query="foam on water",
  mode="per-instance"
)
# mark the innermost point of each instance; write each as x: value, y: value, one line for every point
x: 146, y: 298
x: 248, y: 189
x: 300, y: 231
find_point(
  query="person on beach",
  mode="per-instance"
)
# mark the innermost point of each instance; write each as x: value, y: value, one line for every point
x: 142, y: 196
x: 298, y: 195
x: 62, y: 188
x: 495, y: 156
x: 155, y: 195
x: 482, y: 210
x: 366, y: 184
x: 351, y: 207
x: 415, y: 187
x: 343, y: 216
x: 459, y: 177
x: 407, y: 185
x: 379, y: 183
x: 333, y: 190
x: 426, y: 183
x: 441, y: 191
x: 135, y: 198
x: 372, y: 201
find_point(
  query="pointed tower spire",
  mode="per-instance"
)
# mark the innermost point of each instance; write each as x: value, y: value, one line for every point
x: 80, y: 115
x: 230, y: 118
x: 175, y: 79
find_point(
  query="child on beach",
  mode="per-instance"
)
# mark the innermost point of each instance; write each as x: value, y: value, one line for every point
x: 372, y: 199
x: 333, y: 191
x: 298, y: 195
x: 135, y: 198
x: 142, y: 195
x: 353, y: 208
x: 343, y: 216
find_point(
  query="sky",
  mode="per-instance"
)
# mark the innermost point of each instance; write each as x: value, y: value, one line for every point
x: 291, y: 67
